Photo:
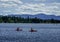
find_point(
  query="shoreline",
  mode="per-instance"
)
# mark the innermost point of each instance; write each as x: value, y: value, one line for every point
x: 29, y: 23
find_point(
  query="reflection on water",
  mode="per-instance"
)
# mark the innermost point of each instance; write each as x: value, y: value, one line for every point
x: 45, y: 33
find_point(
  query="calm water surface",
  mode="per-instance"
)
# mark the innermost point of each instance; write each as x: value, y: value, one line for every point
x: 45, y: 32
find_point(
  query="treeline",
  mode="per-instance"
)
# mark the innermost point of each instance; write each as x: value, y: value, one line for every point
x: 7, y: 19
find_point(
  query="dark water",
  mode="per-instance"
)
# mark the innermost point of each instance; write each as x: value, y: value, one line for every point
x: 45, y: 32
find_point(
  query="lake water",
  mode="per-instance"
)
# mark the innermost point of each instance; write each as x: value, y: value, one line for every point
x: 45, y: 32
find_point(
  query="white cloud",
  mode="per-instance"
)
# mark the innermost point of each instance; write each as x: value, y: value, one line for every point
x: 17, y: 1
x: 8, y: 5
x: 41, y: 8
x: 4, y: 0
x: 30, y: 8
x: 41, y: 0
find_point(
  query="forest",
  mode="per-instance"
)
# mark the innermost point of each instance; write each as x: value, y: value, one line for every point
x: 9, y: 19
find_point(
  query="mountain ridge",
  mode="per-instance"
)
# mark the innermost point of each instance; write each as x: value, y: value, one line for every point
x: 40, y: 16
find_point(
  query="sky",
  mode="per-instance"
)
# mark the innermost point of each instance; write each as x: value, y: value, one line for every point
x: 49, y: 7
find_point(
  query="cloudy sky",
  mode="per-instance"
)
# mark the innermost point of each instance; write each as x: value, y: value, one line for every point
x: 49, y: 7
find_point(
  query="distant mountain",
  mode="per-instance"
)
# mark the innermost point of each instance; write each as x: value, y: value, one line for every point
x: 41, y: 16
